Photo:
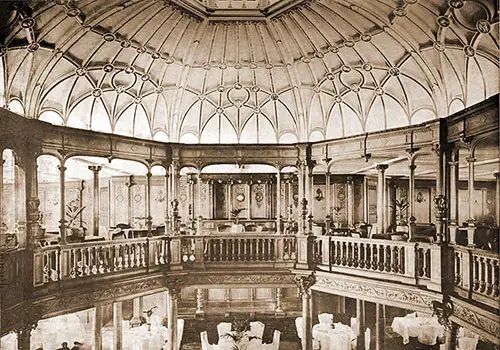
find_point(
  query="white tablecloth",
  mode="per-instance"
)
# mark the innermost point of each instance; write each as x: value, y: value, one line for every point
x: 426, y: 329
x: 244, y: 344
x: 339, y: 338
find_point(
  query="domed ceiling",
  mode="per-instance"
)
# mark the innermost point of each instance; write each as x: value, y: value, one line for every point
x: 229, y: 71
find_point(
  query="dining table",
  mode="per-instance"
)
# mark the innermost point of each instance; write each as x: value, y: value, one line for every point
x: 426, y: 329
x: 339, y: 337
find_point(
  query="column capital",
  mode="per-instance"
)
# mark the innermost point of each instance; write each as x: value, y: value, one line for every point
x: 382, y: 167
x: 61, y: 168
x: 453, y: 163
x: 174, y: 286
x: 304, y: 283
x: 95, y: 168
x: 497, y: 175
x: 470, y: 159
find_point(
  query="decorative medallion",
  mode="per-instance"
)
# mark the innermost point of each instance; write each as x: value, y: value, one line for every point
x: 337, y: 99
x: 33, y: 47
x: 367, y: 67
x: 237, y: 66
x: 219, y: 110
x: 141, y: 49
x: 456, y: 4
x: 238, y: 86
x: 207, y: 66
x: 255, y: 88
x: 159, y: 89
x: 483, y: 26
x: 119, y: 198
x: 183, y: 197
x: 137, y: 198
x: 109, y: 37
x: 108, y: 68
x: 97, y: 92
x: 129, y: 70
x: 238, y: 103
x: 400, y: 12
x: 137, y: 100
x: 120, y: 89
x: 319, y: 54
x: 221, y: 88
x: 274, y: 96
x: 305, y: 59
x: 81, y: 71
x: 240, y: 197
x: 379, y: 91
x: 155, y: 55
x: 169, y: 60
x: 28, y: 22
x: 355, y: 88
x: 349, y: 43
x: 317, y: 89
x: 73, y: 12
x: 346, y: 68
x: 443, y: 21
x: 222, y: 66
x: 252, y: 65
x: 330, y: 76
x: 439, y: 46
x: 146, y: 77
x: 333, y: 49
x: 201, y: 97
x: 126, y: 44
x: 469, y: 51
x: 268, y: 66
x: 394, y: 71
x: 366, y: 37
x: 257, y: 110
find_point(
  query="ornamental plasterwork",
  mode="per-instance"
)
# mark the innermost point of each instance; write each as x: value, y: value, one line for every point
x: 241, y: 279
x: 474, y: 318
x: 385, y: 293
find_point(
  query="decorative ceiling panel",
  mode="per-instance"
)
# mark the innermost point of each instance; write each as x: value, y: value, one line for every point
x: 261, y: 70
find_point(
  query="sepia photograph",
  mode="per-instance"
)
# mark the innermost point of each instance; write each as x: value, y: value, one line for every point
x: 249, y: 175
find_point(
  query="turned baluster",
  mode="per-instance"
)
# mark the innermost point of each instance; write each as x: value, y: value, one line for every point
x: 375, y: 256
x: 495, y: 284
x: 368, y: 250
x: 388, y: 257
x: 481, y: 275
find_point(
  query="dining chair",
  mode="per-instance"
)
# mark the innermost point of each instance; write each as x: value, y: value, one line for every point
x: 325, y: 319
x: 223, y: 328
x: 257, y: 329
x: 205, y: 345
x: 298, y: 325
x: 276, y: 342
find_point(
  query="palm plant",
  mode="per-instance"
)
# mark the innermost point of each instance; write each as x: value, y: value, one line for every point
x: 73, y: 212
x: 240, y: 330
x: 235, y: 212
x: 401, y: 206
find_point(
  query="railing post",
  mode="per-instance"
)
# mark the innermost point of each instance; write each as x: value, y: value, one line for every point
x: 325, y: 254
x: 279, y: 248
x: 411, y: 260
x: 305, y: 246
x: 199, y: 252
x: 436, y: 268
x: 176, y: 253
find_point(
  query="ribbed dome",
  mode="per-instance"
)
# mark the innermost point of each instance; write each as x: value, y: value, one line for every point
x: 321, y: 69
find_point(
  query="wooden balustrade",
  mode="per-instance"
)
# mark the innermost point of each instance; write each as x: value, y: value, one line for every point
x: 394, y: 260
x: 56, y: 263
x: 477, y: 274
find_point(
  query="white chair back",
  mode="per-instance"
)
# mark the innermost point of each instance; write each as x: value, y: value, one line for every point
x: 257, y: 329
x: 354, y: 325
x: 276, y: 339
x: 367, y: 338
x: 325, y: 319
x: 180, y: 332
x: 205, y: 345
x: 223, y: 328
x: 298, y: 325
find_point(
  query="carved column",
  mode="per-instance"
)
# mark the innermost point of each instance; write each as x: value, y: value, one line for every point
x: 366, y: 203
x: 96, y: 202
x: 98, y: 328
x: 130, y: 202
x: 439, y: 199
x: 149, y: 219
x: 198, y: 202
x: 310, y: 191
x: 379, y: 327
x: 248, y: 197
x: 350, y: 201
x: 200, y: 301
x: 390, y: 212
x: 454, y: 181
x: 411, y: 200
x: 328, y: 204
x: 301, y: 179
x: 117, y: 325
x: 31, y: 210
x: 136, y: 311
x: 230, y: 197
x: 381, y: 190
x: 172, y: 293
x: 279, y: 308
x: 451, y: 336
x: 278, y: 201
x: 304, y: 283
x: 167, y: 199
x: 497, y: 199
x: 360, y: 324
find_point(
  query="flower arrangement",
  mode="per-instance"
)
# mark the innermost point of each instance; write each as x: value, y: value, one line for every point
x: 401, y: 206
x: 235, y: 212
x: 240, y: 334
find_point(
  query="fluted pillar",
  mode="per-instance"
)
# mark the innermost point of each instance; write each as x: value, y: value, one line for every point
x: 62, y: 202
x: 279, y: 295
x: 328, y: 199
x: 470, y: 187
x: 98, y: 328
x: 379, y: 327
x: 96, y: 202
x: 172, y: 293
x: 350, y: 201
x: 301, y: 182
x: 360, y: 324
x: 439, y: 199
x: 381, y: 191
x: 130, y: 183
x: 200, y: 301
x: 167, y: 199
x: 411, y: 200
x: 278, y: 201
x: 304, y: 283
x: 454, y: 181
x: 149, y: 219
x: 198, y: 202
x: 117, y: 325
x: 366, y: 203
x: 497, y: 199
x: 451, y: 337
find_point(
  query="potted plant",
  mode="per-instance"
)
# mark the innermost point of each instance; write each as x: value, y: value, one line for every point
x: 336, y: 216
x: 401, y: 208
x: 240, y: 334
x: 75, y: 226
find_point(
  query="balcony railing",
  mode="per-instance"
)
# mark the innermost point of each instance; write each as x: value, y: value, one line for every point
x: 80, y: 260
x: 405, y: 262
x: 477, y: 274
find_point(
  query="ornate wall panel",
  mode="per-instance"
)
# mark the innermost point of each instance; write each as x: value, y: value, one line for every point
x: 259, y: 200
